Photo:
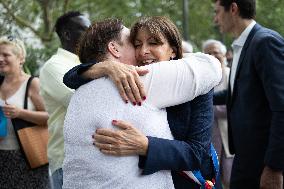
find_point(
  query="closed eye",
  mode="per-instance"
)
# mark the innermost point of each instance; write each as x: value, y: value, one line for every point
x: 136, y: 45
x: 153, y: 43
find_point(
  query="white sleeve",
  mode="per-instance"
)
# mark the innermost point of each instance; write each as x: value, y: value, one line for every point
x: 174, y: 82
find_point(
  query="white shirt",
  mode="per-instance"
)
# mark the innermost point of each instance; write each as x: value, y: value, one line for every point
x: 56, y: 96
x: 97, y: 103
x: 237, y: 49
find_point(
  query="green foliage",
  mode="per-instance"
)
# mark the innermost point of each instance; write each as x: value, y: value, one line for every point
x: 270, y: 14
x: 38, y: 17
x: 36, y: 58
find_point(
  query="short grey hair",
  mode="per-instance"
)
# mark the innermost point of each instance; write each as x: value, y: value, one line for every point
x: 208, y: 42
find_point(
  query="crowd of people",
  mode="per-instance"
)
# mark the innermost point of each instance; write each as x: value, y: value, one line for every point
x: 136, y: 108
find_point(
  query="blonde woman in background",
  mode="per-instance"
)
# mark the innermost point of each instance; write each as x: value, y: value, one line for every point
x: 15, y: 172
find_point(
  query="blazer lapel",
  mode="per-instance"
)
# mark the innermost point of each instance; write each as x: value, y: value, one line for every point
x: 243, y: 54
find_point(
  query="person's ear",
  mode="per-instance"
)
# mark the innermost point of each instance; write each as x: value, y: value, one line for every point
x: 234, y: 8
x: 66, y: 35
x: 22, y: 60
x: 174, y: 54
x: 113, y: 48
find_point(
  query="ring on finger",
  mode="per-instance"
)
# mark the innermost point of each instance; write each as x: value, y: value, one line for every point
x: 109, y: 146
x: 127, y: 88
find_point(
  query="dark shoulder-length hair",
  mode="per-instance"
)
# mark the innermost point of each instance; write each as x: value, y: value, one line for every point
x: 157, y: 26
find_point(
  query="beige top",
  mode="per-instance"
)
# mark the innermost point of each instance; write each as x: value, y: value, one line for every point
x: 56, y: 96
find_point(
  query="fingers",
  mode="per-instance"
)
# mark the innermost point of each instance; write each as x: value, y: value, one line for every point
x: 124, y: 141
x: 8, y: 114
x: 119, y: 153
x: 121, y: 91
x: 140, y: 87
x: 128, y: 82
x: 122, y: 124
x: 111, y: 136
x: 137, y: 87
x: 113, y: 146
x: 128, y: 90
x: 104, y: 139
x: 135, y: 84
x: 106, y: 132
x: 115, y: 149
x: 9, y: 111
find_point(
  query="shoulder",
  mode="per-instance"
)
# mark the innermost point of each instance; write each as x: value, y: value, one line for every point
x: 266, y: 41
x: 54, y: 62
x: 265, y: 35
x: 34, y: 86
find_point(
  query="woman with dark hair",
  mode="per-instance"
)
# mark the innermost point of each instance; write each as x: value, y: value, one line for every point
x: 157, y: 39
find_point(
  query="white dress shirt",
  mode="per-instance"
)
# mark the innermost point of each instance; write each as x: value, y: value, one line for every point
x: 237, y: 49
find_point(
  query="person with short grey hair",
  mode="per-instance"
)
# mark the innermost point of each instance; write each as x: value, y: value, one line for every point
x: 215, y: 48
x: 220, y: 129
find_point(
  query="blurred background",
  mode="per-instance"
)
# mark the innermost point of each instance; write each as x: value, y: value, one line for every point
x: 33, y: 20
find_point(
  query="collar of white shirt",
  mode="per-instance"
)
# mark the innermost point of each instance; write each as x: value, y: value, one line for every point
x: 67, y: 54
x: 240, y: 41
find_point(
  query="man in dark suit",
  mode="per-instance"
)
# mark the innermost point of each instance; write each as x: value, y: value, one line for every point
x: 255, y: 97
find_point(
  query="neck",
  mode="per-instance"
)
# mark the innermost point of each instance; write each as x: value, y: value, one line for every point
x: 14, y: 77
x: 68, y: 46
x: 111, y: 57
x: 240, y: 25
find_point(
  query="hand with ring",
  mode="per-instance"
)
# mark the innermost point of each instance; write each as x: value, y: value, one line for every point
x: 11, y: 111
x: 127, y: 80
x: 127, y: 89
x: 126, y: 141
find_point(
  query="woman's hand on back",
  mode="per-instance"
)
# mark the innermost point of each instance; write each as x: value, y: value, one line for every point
x: 125, y: 77
x: 126, y: 141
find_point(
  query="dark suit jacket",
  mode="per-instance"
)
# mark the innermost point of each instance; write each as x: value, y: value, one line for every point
x: 256, y: 106
x: 190, y: 124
